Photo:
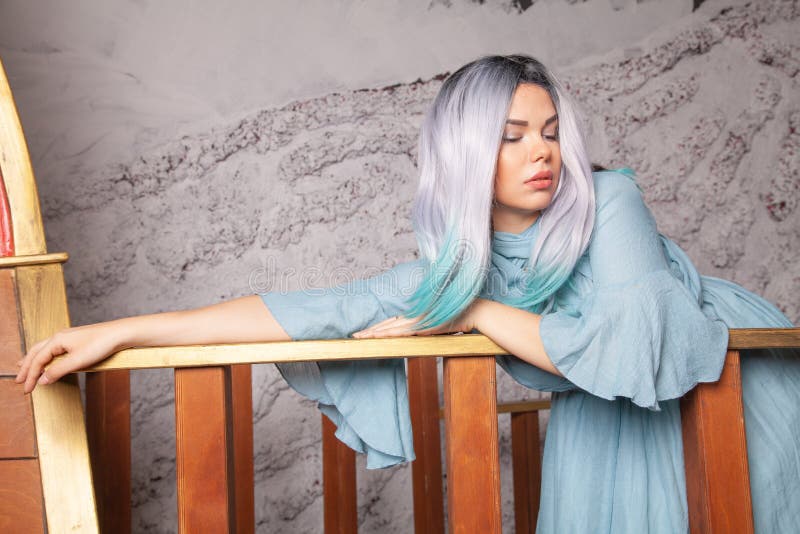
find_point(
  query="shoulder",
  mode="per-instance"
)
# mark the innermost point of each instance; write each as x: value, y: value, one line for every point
x: 619, y: 198
x: 613, y: 185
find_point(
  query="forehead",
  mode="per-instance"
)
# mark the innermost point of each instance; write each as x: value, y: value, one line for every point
x: 531, y: 102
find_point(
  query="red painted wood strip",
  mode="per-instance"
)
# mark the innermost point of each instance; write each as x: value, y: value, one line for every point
x: 426, y: 470
x: 242, y: 411
x: 715, y: 455
x: 204, y: 464
x: 21, y: 506
x: 473, y: 465
x: 6, y: 230
x: 527, y: 467
x: 340, y: 502
x: 108, y: 428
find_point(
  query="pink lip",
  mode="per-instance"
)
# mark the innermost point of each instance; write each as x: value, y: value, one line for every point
x: 540, y: 180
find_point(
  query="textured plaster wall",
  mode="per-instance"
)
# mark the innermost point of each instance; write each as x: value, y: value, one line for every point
x: 185, y: 158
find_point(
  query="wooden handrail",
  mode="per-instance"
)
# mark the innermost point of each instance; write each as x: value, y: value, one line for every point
x: 713, y: 424
x: 369, y: 349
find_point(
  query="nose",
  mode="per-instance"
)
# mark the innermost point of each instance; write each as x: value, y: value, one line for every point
x: 539, y: 150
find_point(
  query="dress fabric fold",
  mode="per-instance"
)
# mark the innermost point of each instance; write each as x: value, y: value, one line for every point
x: 633, y: 329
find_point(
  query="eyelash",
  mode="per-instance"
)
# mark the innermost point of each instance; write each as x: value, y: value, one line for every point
x: 547, y: 137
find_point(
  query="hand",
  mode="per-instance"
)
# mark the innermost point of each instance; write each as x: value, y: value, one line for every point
x: 401, y: 326
x: 81, y: 347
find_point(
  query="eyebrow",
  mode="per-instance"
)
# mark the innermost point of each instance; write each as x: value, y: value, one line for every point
x: 525, y: 123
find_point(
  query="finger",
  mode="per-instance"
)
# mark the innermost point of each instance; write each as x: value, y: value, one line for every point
x: 61, y: 367
x: 394, y: 331
x: 25, y: 362
x: 384, y: 323
x: 374, y: 327
x: 38, y: 363
x: 402, y: 322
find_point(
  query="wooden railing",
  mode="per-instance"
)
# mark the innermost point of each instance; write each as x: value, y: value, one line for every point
x: 713, y: 425
x: 52, y: 475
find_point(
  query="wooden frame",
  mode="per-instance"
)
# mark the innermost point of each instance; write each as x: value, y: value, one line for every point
x: 215, y: 485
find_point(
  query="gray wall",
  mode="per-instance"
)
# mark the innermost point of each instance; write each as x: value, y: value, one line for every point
x: 188, y: 152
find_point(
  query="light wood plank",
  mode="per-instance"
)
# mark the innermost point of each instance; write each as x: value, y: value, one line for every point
x: 57, y: 410
x: 527, y: 468
x: 715, y: 455
x: 18, y: 177
x: 473, y: 464
x: 33, y: 259
x: 361, y: 349
x: 108, y: 422
x: 340, y: 502
x: 296, y: 351
x: 426, y: 470
x: 204, y: 464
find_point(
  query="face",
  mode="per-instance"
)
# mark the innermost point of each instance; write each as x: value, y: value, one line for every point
x: 529, y: 161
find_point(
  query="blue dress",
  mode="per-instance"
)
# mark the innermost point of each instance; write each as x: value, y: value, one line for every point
x: 633, y: 329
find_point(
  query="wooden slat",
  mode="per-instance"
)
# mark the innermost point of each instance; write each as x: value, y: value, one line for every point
x: 34, y: 259
x: 763, y: 338
x: 108, y: 426
x: 242, y: 414
x: 297, y: 351
x: 204, y: 463
x: 340, y: 502
x: 18, y: 177
x: 715, y: 455
x: 473, y: 465
x: 21, y: 509
x: 10, y: 335
x: 516, y: 407
x: 426, y: 470
x: 361, y: 349
x: 527, y: 467
x: 16, y: 422
x: 523, y: 406
x: 57, y: 409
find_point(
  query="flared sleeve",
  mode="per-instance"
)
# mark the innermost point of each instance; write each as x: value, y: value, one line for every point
x: 639, y: 332
x: 366, y: 400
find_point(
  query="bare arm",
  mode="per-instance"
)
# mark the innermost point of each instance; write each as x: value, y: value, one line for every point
x: 517, y: 331
x: 239, y: 320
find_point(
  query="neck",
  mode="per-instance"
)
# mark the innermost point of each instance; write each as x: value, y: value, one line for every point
x: 514, y: 223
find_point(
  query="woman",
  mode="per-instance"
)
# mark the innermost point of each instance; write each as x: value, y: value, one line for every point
x: 562, y: 268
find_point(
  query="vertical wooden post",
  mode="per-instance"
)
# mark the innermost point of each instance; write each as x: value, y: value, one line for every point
x: 527, y: 462
x: 242, y: 414
x: 715, y: 454
x: 338, y: 483
x: 473, y: 464
x: 204, y: 443
x: 108, y: 427
x: 426, y: 470
x: 57, y: 409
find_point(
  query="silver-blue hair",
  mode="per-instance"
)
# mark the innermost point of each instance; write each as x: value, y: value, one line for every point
x: 458, y: 148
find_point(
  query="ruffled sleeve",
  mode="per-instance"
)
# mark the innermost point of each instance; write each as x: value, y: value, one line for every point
x: 366, y: 400
x: 640, y: 332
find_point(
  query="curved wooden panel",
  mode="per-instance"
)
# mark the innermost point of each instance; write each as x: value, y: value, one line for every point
x: 23, y: 200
